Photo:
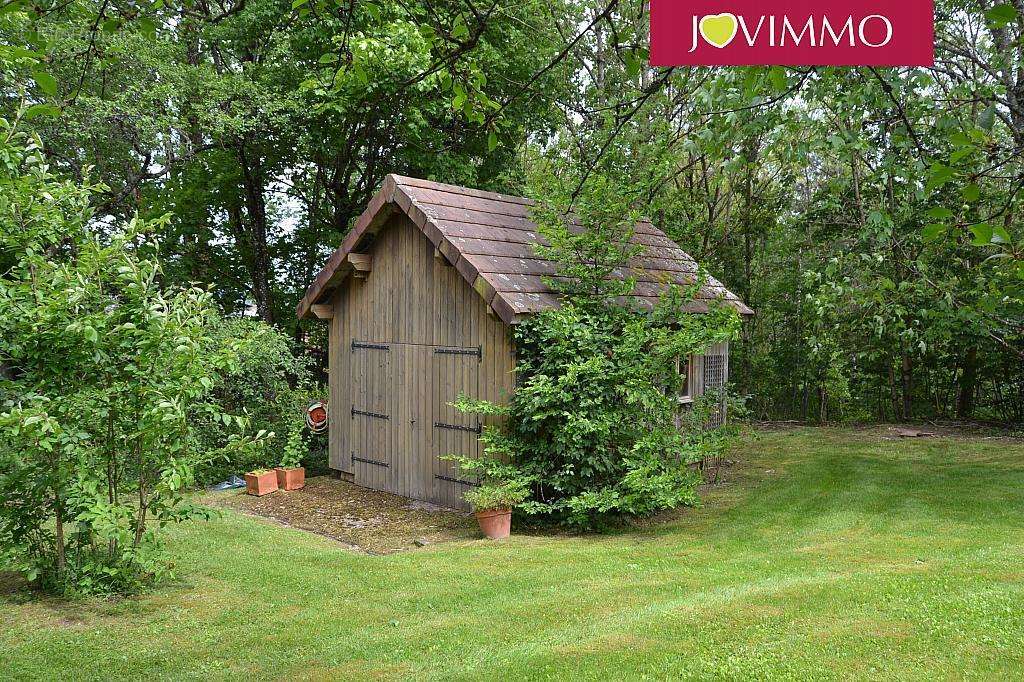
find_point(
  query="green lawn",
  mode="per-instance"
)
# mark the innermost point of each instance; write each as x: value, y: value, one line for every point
x: 830, y: 554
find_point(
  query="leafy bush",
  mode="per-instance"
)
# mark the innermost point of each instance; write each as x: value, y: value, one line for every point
x: 268, y: 383
x: 107, y: 377
x: 592, y: 423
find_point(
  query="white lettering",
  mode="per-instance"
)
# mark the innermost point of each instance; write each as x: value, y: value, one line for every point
x: 786, y: 26
x: 751, y: 39
x: 836, y: 39
x: 846, y: 35
x: 888, y: 31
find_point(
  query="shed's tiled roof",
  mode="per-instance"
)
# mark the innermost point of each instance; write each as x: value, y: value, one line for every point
x: 488, y: 237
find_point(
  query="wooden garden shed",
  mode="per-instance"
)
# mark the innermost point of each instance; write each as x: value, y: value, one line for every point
x: 419, y: 297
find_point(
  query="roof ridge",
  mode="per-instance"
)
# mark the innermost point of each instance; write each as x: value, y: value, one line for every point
x: 459, y: 189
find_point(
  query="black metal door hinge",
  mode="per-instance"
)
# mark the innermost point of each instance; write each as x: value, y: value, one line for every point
x: 454, y: 480
x: 369, y: 461
x: 458, y: 427
x: 375, y: 415
x: 371, y: 346
x: 478, y: 351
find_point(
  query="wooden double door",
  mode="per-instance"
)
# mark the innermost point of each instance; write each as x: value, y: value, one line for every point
x: 402, y: 423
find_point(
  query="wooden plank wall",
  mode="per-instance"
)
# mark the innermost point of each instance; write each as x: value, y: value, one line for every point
x: 415, y: 303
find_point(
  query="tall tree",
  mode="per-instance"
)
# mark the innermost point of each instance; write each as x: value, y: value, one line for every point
x: 264, y: 125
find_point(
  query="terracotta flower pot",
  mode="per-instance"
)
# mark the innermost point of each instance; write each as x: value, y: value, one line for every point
x: 495, y: 523
x: 260, y: 484
x: 291, y: 479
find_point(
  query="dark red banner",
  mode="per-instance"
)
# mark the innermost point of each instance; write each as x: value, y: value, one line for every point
x: 792, y: 32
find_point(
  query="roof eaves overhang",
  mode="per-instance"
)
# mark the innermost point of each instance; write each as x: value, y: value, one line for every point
x: 338, y: 268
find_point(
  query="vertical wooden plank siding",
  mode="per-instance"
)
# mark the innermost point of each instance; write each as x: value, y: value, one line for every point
x: 415, y: 304
x: 338, y: 367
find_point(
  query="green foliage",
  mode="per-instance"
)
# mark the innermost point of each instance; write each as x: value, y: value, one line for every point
x: 880, y: 293
x: 264, y: 129
x: 594, y: 412
x: 267, y: 382
x: 294, y: 449
x: 500, y: 485
x: 592, y: 427
x: 491, y: 496
x: 106, y: 373
x: 586, y: 257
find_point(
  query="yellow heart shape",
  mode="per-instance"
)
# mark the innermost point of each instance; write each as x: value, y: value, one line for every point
x: 719, y: 29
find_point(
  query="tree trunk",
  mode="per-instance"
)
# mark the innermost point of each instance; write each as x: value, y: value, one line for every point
x: 260, y: 266
x: 906, y: 384
x: 893, y: 394
x: 59, y: 538
x: 748, y: 294
x: 967, y: 384
x: 140, y: 521
x: 58, y: 514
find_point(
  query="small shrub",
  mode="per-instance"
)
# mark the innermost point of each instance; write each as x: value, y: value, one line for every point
x: 496, y: 496
x: 107, y: 375
x: 501, y: 485
x: 98, y: 425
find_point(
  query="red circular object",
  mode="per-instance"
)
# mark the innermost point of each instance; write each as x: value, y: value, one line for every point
x: 316, y: 417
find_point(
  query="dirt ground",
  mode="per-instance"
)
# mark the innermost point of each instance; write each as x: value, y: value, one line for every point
x: 366, y: 520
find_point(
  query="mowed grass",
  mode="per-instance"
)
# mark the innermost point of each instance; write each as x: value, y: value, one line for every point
x: 830, y: 554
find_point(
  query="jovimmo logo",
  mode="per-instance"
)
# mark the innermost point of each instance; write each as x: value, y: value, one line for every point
x: 792, y: 32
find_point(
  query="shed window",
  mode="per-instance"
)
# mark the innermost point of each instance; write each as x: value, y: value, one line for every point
x: 714, y: 371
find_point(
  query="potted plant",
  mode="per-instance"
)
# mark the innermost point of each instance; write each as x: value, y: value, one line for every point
x: 492, y: 503
x: 260, y: 482
x: 291, y: 475
x: 501, y: 488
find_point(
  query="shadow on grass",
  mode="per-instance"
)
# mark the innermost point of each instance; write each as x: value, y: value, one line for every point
x: 14, y: 588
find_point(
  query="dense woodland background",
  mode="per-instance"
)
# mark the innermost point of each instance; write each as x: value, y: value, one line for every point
x: 869, y: 216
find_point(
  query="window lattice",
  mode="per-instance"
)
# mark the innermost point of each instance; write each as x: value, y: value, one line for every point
x: 714, y: 379
x: 714, y: 371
